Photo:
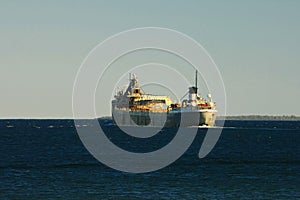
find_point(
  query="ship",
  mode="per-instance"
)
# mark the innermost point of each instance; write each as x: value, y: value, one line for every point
x: 134, y: 107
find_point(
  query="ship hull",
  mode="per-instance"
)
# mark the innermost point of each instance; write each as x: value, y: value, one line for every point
x: 164, y: 119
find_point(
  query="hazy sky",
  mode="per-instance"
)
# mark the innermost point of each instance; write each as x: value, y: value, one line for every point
x: 255, y: 44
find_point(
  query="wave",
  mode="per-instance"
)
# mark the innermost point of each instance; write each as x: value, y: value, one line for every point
x: 183, y: 161
x: 70, y: 165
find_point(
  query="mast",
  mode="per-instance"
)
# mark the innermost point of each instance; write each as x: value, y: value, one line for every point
x: 196, y: 80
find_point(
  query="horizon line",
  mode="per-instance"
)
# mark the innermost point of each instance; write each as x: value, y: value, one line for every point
x: 72, y: 118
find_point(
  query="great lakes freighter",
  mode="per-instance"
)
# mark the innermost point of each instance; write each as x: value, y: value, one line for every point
x: 133, y: 107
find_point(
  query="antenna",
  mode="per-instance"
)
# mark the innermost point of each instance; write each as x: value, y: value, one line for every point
x: 129, y: 77
x: 196, y: 81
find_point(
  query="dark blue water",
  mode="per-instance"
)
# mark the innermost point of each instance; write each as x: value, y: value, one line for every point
x: 45, y: 159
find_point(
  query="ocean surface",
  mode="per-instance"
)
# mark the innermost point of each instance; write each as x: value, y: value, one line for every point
x: 45, y: 159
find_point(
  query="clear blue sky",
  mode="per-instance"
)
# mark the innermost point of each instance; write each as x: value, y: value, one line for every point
x: 255, y: 44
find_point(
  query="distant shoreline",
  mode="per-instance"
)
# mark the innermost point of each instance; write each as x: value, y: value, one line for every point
x: 261, y: 117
